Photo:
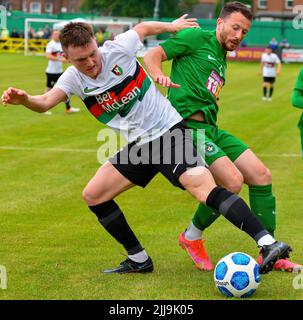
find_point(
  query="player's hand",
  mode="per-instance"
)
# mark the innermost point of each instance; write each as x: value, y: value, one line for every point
x: 183, y: 23
x: 14, y: 96
x: 165, y: 82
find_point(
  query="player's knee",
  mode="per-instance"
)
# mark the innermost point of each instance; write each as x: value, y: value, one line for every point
x: 234, y: 184
x: 86, y: 196
x: 90, y: 197
x: 264, y: 176
x: 259, y: 175
x: 235, y: 187
x: 198, y: 183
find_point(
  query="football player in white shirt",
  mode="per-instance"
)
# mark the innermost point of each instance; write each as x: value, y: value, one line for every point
x: 269, y: 60
x: 118, y: 92
x: 54, y: 69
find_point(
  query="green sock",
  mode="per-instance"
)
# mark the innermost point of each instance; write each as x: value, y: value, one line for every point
x: 204, y: 217
x: 263, y: 204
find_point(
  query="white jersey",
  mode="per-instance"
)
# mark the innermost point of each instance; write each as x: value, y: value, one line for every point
x: 123, y: 96
x: 55, y: 49
x: 269, y: 60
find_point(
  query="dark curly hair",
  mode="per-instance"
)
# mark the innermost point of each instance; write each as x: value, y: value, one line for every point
x: 232, y: 7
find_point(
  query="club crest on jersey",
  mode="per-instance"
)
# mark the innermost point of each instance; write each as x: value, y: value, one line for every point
x: 211, y: 149
x: 117, y: 70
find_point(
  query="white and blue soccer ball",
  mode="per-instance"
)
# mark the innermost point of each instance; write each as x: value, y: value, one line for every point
x: 237, y: 275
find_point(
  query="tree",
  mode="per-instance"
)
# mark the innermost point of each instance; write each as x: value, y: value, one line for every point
x: 135, y: 8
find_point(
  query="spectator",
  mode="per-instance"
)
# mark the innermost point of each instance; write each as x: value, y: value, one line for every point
x: 4, y: 34
x: 15, y: 34
x: 31, y: 33
x: 100, y: 37
x: 40, y: 34
x: 274, y: 44
x: 47, y: 32
x: 284, y: 44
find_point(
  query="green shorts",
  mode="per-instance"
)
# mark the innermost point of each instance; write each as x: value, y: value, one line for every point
x: 218, y: 143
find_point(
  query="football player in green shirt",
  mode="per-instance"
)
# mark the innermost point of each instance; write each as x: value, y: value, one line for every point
x: 197, y: 76
x: 297, y: 101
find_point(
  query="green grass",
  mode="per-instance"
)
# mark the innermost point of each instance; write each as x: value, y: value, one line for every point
x: 52, y: 245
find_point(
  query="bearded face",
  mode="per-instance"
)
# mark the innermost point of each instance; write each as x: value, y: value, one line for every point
x: 232, y: 30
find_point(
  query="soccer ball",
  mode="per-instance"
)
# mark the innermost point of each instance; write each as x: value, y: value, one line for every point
x: 237, y: 275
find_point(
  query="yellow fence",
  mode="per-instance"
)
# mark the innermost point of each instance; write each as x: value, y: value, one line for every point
x: 14, y: 45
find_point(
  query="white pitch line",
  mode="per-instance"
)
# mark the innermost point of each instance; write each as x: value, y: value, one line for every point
x: 281, y: 155
x: 12, y: 148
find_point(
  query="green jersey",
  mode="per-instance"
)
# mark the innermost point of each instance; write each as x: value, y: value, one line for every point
x: 297, y: 96
x: 297, y: 101
x: 199, y: 66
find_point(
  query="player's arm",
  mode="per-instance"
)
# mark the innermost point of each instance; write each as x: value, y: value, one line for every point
x: 261, y: 68
x: 279, y: 68
x: 153, y: 62
x: 297, y: 94
x: 52, y: 57
x: 183, y: 43
x: 150, y: 28
x: 38, y: 103
x: 154, y: 58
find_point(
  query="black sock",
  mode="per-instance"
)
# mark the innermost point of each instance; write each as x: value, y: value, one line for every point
x: 264, y: 91
x: 67, y: 105
x: 271, y: 90
x: 114, y: 222
x: 235, y: 210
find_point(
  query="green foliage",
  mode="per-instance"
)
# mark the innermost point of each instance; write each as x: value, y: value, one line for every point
x: 135, y: 8
x: 185, y: 5
x: 94, y: 6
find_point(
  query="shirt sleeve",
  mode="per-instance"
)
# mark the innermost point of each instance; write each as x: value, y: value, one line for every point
x: 49, y: 48
x: 183, y: 43
x: 68, y: 83
x: 128, y: 42
x: 297, y: 94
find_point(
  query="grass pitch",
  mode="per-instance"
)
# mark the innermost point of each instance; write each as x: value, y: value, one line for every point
x: 53, y: 247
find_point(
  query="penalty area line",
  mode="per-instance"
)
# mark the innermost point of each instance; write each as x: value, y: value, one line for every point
x: 281, y: 155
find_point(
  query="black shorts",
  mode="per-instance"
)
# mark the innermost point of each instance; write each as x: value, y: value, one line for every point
x: 51, y: 79
x: 171, y: 154
x: 269, y: 79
